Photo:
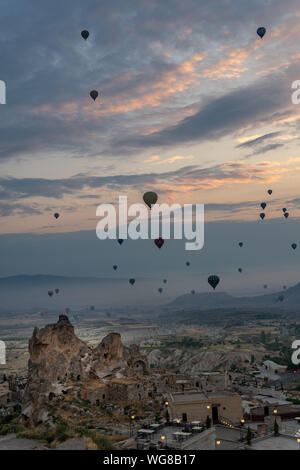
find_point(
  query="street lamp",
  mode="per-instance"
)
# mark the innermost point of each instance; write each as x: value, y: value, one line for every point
x: 218, y: 443
x: 275, y: 412
x: 208, y: 407
x: 298, y: 440
x: 166, y: 403
x: 242, y: 422
x: 131, y: 421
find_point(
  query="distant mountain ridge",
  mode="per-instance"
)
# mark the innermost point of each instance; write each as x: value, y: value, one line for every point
x: 223, y: 300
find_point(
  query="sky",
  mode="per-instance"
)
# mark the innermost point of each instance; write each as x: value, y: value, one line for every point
x: 192, y: 104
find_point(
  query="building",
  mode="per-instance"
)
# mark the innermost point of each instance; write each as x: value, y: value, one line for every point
x: 262, y: 406
x: 206, y: 381
x: 196, y: 406
x: 274, y: 368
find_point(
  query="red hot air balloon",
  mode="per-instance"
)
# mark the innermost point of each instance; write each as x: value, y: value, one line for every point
x: 159, y: 242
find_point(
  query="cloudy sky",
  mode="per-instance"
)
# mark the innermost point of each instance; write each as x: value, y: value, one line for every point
x: 192, y: 104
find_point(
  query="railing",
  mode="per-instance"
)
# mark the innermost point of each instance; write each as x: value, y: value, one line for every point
x: 226, y: 422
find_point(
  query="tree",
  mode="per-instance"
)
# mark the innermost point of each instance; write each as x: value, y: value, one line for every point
x: 249, y: 436
x: 208, y: 422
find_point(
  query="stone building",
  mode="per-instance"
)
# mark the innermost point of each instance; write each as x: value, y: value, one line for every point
x: 196, y: 406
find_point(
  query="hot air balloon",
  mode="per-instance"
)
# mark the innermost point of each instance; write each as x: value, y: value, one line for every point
x: 132, y: 281
x: 240, y: 270
x: 94, y: 94
x: 294, y: 246
x: 115, y: 267
x: 261, y: 31
x: 120, y: 241
x: 165, y: 281
x: 56, y: 215
x: 85, y: 34
x: 160, y: 289
x: 263, y: 205
x: 150, y: 198
x: 270, y: 191
x: 159, y: 242
x: 262, y: 215
x: 286, y: 214
x: 284, y: 209
x: 56, y: 291
x: 187, y: 263
x: 241, y: 244
x: 213, y: 281
x: 284, y: 287
x: 50, y: 293
x: 192, y: 292
x: 265, y: 286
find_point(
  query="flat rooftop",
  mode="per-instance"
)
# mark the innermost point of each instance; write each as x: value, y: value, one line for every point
x: 198, y: 396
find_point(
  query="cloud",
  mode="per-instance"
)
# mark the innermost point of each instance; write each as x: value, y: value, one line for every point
x: 258, y: 140
x: 237, y: 110
x: 150, y: 64
x: 188, y: 178
x: 18, y: 209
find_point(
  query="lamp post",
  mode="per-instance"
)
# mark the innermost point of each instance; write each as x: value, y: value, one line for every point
x: 131, y: 421
x: 218, y: 443
x: 242, y: 425
x: 298, y: 440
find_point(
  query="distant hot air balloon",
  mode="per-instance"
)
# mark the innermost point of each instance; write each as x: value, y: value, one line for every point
x: 120, y: 241
x: 132, y: 281
x: 115, y: 267
x: 263, y: 205
x: 241, y: 244
x: 240, y: 270
x: 85, y: 34
x: 150, y: 198
x: 286, y: 214
x: 165, y: 281
x: 262, y: 215
x: 284, y: 287
x: 94, y: 94
x: 50, y: 293
x: 187, y: 263
x: 160, y: 289
x: 159, y: 242
x: 270, y: 191
x: 56, y: 291
x: 192, y: 292
x: 265, y: 286
x: 261, y: 31
x: 294, y: 246
x: 56, y: 215
x: 213, y: 281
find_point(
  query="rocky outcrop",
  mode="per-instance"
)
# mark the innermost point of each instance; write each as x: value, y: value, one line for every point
x: 58, y: 356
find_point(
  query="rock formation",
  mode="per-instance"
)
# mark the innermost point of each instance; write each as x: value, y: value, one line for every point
x: 57, y: 357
